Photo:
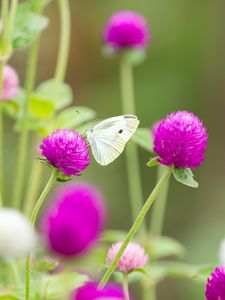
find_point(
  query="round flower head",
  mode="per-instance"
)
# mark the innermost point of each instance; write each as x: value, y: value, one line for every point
x: 134, y: 257
x: 125, y: 30
x: 222, y: 252
x: 10, y: 83
x: 181, y: 140
x: 17, y: 237
x: 67, y: 151
x: 74, y: 219
x: 89, y: 291
x: 215, y: 286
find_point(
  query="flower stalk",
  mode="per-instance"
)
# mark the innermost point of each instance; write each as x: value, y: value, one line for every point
x: 23, y: 139
x: 136, y: 225
x: 133, y: 171
x: 126, y: 286
x: 34, y: 214
x: 159, y: 207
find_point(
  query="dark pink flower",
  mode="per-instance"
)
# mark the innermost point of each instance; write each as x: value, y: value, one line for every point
x: 10, y: 83
x: 67, y: 151
x: 74, y: 220
x: 89, y: 291
x: 125, y: 30
x: 215, y: 286
x: 181, y: 140
x: 133, y: 258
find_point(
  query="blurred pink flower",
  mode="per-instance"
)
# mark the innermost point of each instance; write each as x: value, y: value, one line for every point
x: 10, y: 83
x: 134, y: 257
x: 74, y: 220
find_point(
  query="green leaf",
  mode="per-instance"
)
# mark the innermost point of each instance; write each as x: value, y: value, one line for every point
x: 59, y: 286
x: 44, y: 264
x: 41, y: 107
x: 162, y: 269
x: 73, y: 117
x: 60, y: 94
x: 143, y: 138
x: 185, y: 176
x: 153, y: 162
x: 63, y: 178
x: 27, y: 26
x: 203, y: 272
x: 164, y: 247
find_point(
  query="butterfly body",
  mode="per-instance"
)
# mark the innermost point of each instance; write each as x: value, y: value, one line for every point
x: 109, y: 137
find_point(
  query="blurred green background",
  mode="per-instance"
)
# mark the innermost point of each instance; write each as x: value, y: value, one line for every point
x: 184, y: 69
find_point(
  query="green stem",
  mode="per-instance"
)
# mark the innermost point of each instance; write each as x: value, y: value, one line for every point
x: 126, y: 287
x: 1, y: 134
x: 133, y: 171
x: 136, y: 225
x: 34, y: 214
x: 45, y: 192
x: 11, y: 22
x: 8, y: 297
x: 64, y: 44
x: 33, y: 186
x: 4, y: 15
x: 3, y: 35
x: 159, y: 207
x: 29, y: 84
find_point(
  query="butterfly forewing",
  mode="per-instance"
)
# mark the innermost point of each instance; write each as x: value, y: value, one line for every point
x: 108, y: 138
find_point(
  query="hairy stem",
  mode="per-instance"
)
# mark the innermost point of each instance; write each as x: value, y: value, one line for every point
x: 136, y: 225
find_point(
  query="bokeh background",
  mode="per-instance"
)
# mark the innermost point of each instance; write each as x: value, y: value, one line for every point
x: 184, y: 69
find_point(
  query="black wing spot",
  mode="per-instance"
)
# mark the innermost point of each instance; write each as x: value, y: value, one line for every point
x: 121, y: 131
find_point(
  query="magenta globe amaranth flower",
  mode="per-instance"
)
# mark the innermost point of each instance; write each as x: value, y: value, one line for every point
x: 89, y: 291
x: 125, y: 30
x: 74, y: 220
x: 133, y: 258
x: 215, y: 286
x: 10, y: 83
x: 181, y: 140
x: 67, y: 151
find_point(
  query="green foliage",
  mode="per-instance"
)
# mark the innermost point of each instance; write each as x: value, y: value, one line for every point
x: 163, y: 246
x: 60, y: 285
x: 142, y: 137
x: 74, y: 117
x: 203, y: 272
x: 153, y: 162
x: 60, y: 94
x: 27, y: 27
x: 185, y: 176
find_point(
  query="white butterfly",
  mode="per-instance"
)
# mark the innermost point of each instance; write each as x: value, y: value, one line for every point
x: 109, y: 137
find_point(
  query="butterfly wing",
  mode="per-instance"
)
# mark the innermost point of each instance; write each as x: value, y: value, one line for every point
x: 109, y: 137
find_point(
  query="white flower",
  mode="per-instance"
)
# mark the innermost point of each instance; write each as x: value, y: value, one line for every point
x: 222, y: 252
x: 17, y: 236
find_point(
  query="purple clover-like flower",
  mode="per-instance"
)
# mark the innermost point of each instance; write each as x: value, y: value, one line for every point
x: 181, y: 140
x: 125, y: 30
x: 89, y: 291
x: 215, y: 286
x: 10, y: 83
x: 133, y: 258
x: 74, y: 220
x: 67, y: 151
